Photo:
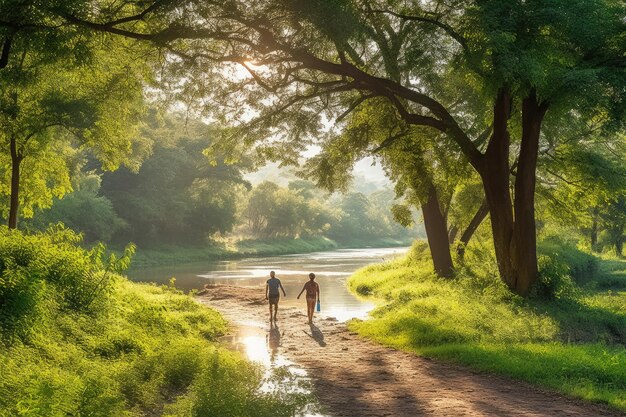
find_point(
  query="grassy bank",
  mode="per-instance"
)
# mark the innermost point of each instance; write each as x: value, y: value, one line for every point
x: 568, y: 337
x: 176, y: 254
x: 77, y: 340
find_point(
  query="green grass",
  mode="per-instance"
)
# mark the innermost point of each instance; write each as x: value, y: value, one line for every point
x: 154, y: 353
x: 78, y: 341
x: 572, y: 343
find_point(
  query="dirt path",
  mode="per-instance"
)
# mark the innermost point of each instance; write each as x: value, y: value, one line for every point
x: 360, y: 378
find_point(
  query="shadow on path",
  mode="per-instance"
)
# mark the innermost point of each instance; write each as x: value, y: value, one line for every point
x: 316, y: 334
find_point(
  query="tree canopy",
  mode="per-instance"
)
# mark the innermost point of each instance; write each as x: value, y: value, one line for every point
x: 480, y: 82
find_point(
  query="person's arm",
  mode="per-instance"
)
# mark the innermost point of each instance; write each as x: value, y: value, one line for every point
x: 318, y: 292
x: 267, y: 287
x: 303, y: 288
x: 281, y: 287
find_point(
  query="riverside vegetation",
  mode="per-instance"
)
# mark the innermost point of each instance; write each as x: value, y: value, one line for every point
x: 79, y: 339
x: 570, y: 335
x: 178, y: 208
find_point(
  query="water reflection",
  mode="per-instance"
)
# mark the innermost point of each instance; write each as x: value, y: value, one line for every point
x: 273, y: 341
x: 258, y: 345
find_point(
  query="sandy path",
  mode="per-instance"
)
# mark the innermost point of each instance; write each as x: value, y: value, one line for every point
x: 360, y: 378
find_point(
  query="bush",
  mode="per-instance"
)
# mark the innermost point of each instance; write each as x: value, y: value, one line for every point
x: 46, y: 271
x: 555, y: 280
x: 83, y: 211
x: 583, y: 267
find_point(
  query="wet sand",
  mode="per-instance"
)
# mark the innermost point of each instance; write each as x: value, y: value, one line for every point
x: 353, y: 376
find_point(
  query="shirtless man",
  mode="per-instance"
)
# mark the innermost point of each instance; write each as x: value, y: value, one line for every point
x: 312, y: 289
x: 272, y: 294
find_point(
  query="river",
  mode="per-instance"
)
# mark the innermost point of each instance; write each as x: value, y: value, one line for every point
x: 331, y: 268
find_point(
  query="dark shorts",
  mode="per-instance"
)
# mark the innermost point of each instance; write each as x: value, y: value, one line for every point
x: 274, y: 299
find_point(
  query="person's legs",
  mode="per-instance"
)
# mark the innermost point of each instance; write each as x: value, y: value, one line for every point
x: 273, y: 300
x: 310, y: 305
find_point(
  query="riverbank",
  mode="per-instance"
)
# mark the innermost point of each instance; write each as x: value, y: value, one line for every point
x: 155, y: 352
x: 352, y: 376
x: 572, y: 342
x: 164, y: 255
x: 75, y: 340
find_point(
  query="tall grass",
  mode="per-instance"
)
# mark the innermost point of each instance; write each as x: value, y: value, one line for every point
x: 135, y: 350
x: 567, y: 337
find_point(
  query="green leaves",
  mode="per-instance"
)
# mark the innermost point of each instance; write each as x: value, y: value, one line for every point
x: 557, y: 47
x: 336, y: 18
x: 51, y: 106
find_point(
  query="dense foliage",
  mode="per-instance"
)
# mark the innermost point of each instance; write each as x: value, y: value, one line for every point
x: 178, y: 196
x: 482, y: 82
x: 76, y: 338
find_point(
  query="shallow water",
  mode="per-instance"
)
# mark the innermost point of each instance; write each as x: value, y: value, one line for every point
x: 331, y: 268
x: 260, y: 342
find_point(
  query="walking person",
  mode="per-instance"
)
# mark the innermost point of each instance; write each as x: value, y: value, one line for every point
x: 272, y: 293
x: 312, y: 289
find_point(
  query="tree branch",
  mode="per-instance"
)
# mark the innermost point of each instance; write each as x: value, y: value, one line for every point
x: 139, y: 16
x: 433, y: 21
x: 389, y: 141
x: 442, y: 119
x: 353, y: 106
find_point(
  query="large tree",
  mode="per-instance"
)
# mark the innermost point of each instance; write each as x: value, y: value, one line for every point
x: 176, y: 195
x: 529, y: 57
x: 62, y: 87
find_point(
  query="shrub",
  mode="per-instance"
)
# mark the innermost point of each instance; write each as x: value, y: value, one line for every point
x: 555, y: 280
x: 45, y: 271
x: 583, y: 267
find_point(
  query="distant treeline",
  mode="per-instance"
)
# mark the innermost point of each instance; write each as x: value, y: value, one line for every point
x: 178, y: 195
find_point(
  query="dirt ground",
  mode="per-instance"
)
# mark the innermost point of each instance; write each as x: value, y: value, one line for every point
x: 356, y: 377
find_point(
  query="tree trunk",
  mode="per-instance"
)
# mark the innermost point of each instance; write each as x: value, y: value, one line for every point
x: 16, y: 160
x: 478, y: 218
x: 452, y: 232
x: 524, y: 245
x: 513, y: 225
x: 495, y: 171
x: 437, y: 234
